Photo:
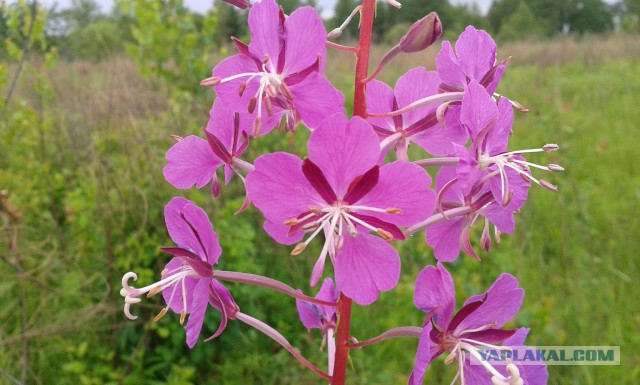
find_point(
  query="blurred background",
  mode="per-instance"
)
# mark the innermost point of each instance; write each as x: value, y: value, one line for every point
x: 91, y: 92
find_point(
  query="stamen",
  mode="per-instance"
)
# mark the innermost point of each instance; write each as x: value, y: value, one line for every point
x: 394, y: 210
x: 299, y: 248
x: 160, y: 315
x: 550, y: 147
x: 183, y: 315
x: 548, y: 185
x: 291, y: 221
x: 154, y: 291
x: 384, y: 234
x: 210, y: 81
x: 338, y: 31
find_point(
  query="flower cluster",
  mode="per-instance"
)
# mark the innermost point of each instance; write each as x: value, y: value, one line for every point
x: 361, y: 188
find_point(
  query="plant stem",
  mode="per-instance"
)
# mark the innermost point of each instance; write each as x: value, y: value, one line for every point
x: 367, y: 13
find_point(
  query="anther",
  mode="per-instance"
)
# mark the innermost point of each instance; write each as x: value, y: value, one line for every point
x: 164, y: 272
x: 257, y: 126
x: 450, y: 358
x: 339, y: 242
x: 154, y: 291
x: 286, y: 91
x: 555, y: 167
x: 176, y: 138
x: 243, y: 86
x: 506, y: 198
x: 352, y: 230
x: 315, y: 210
x: 183, y: 315
x: 525, y: 177
x: 271, y: 90
x: 550, y: 147
x: 548, y: 185
x: 267, y: 104
x: 160, y: 315
x: 384, y: 234
x: 290, y: 221
x: 212, y: 81
x: 298, y: 249
x: 394, y: 210
x: 252, y: 105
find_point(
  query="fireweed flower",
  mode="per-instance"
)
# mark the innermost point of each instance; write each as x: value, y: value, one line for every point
x: 478, y: 324
x: 487, y: 160
x: 342, y: 191
x: 187, y: 284
x: 421, y: 125
x: 451, y: 235
x: 314, y: 316
x: 279, y: 73
x: 194, y: 161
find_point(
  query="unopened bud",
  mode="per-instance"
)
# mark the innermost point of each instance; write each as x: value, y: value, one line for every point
x: 394, y: 210
x: 298, y: 249
x: 384, y: 234
x: 242, y: 4
x: 212, y: 81
x: 176, y: 138
x: 550, y: 147
x: 555, y: 167
x: 160, y: 315
x: 548, y: 185
x: 421, y: 34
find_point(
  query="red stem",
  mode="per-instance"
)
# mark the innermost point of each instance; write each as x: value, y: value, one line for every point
x: 343, y: 334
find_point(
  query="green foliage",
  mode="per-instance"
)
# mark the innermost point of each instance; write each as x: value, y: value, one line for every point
x: 95, y: 41
x: 520, y: 25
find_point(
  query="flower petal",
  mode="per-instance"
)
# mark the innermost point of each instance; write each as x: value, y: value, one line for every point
x: 189, y: 227
x: 423, y: 355
x: 478, y: 109
x: 434, y: 290
x: 448, y: 68
x: 444, y: 238
x: 190, y: 162
x: 503, y: 300
x: 315, y: 99
x: 476, y: 52
x: 380, y: 100
x: 305, y: 40
x: 279, y: 189
x: 266, y: 31
x: 365, y: 266
x: 229, y: 91
x: 344, y: 150
x: 173, y: 295
x: 196, y: 316
x: 405, y: 186
x: 416, y: 84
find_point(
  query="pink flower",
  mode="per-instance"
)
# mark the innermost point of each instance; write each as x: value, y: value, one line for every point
x: 419, y: 126
x: 478, y: 324
x: 342, y: 191
x: 474, y: 59
x: 187, y: 284
x: 450, y: 236
x: 194, y: 161
x: 279, y: 73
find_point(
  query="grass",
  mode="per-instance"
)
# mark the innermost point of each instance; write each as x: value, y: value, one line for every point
x: 85, y: 170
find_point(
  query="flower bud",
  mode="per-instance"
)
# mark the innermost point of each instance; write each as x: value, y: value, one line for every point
x: 421, y: 34
x: 242, y: 4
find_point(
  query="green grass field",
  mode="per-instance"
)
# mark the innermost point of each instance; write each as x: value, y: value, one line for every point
x: 84, y: 169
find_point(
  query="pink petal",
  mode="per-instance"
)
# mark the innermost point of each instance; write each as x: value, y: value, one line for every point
x: 196, y: 315
x: 380, y: 100
x: 437, y: 140
x: 315, y: 99
x: 444, y: 238
x: 365, y: 266
x: 190, y: 162
x: 305, y: 40
x: 405, y: 186
x: 189, y: 227
x: 478, y: 109
x: 344, y: 150
x: 416, y: 84
x: 498, y: 137
x: 309, y: 315
x: 434, y: 290
x: 503, y: 300
x: 229, y: 91
x: 279, y: 189
x: 448, y: 68
x: 280, y: 233
x: 266, y: 31
x: 476, y: 52
x: 423, y: 355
